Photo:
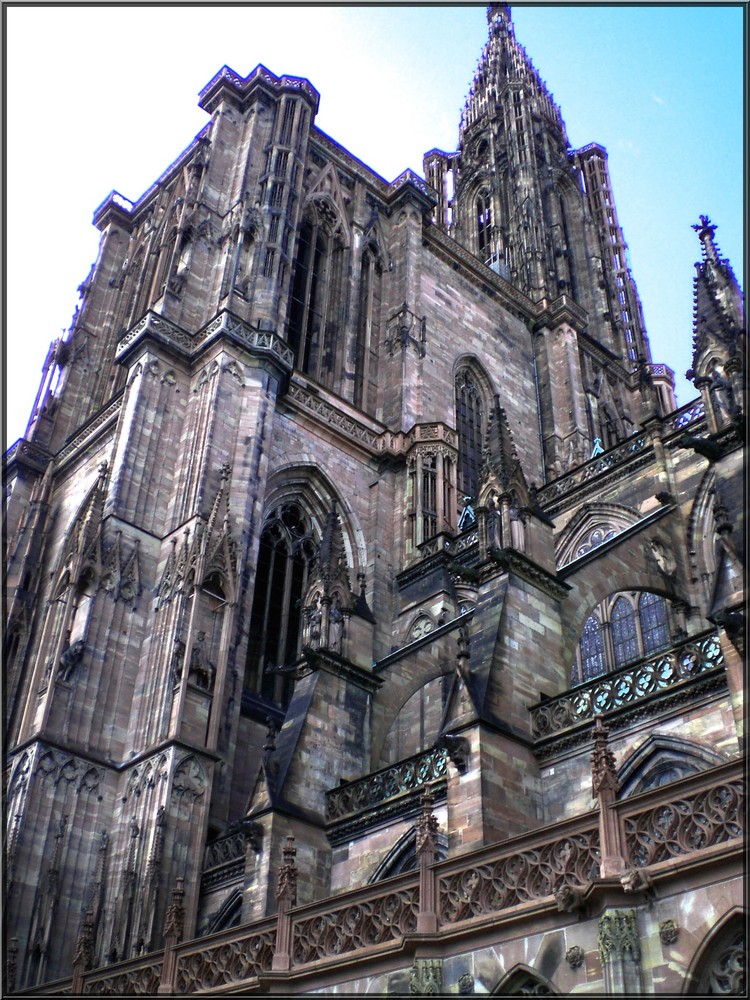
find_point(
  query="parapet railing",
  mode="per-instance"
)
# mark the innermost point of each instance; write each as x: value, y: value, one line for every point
x: 700, y: 812
x: 684, y: 817
x: 231, y: 956
x: 620, y: 454
x: 136, y: 977
x: 389, y: 782
x: 626, y: 686
x: 526, y: 869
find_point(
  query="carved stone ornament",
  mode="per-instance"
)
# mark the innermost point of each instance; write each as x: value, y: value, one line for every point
x: 286, y: 892
x: 465, y: 984
x: 636, y: 880
x: 668, y: 931
x: 603, y: 765
x: 618, y: 936
x: 569, y: 898
x: 575, y: 956
x: 69, y: 660
x: 426, y: 977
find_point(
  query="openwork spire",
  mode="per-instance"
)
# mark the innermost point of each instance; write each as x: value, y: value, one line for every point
x: 504, y: 61
x: 719, y: 316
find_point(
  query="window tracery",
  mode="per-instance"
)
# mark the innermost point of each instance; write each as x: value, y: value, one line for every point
x: 721, y: 969
x: 621, y: 629
x: 470, y: 425
x: 316, y: 292
x: 286, y: 554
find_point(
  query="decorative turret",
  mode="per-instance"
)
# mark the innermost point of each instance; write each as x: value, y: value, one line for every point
x: 503, y: 494
x: 719, y: 333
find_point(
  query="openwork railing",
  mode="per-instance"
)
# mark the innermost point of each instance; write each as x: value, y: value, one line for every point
x: 371, y: 918
x: 635, y: 445
x: 139, y: 978
x: 239, y: 954
x: 689, y: 414
x: 378, y: 787
x: 223, y: 850
x: 626, y: 686
x: 700, y: 812
x: 662, y: 830
x: 519, y: 876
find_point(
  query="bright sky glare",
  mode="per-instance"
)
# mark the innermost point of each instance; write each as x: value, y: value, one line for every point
x: 105, y: 97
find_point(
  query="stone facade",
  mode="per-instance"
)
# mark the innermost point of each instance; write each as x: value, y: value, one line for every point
x: 351, y: 510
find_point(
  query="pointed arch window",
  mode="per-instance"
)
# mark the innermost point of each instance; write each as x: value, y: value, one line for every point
x: 624, y: 635
x: 483, y: 208
x: 285, y: 556
x: 470, y: 427
x: 316, y: 295
x: 592, y: 649
x: 620, y: 629
x: 652, y: 611
x: 370, y: 297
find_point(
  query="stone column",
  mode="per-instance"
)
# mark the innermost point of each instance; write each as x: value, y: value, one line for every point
x: 604, y: 785
x: 427, y: 854
x: 286, y: 894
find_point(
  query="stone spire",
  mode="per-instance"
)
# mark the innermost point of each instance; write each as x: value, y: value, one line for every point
x: 718, y: 303
x: 504, y: 61
x: 501, y: 466
x: 719, y: 333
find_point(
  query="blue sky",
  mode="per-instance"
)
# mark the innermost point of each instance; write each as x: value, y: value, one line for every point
x: 661, y: 87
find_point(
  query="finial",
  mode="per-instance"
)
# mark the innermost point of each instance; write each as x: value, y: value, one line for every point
x: 286, y: 891
x: 603, y: 764
x: 427, y: 828
x: 706, y: 231
x: 498, y: 12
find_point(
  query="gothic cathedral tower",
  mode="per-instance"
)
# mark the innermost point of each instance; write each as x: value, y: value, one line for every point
x: 346, y: 511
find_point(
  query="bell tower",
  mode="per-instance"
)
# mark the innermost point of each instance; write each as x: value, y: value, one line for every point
x: 541, y: 215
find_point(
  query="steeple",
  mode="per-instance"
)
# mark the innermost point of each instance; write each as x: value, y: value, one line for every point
x: 718, y: 368
x: 502, y: 62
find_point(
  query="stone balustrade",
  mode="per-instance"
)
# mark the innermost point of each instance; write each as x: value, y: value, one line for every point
x: 626, y: 686
x: 698, y: 813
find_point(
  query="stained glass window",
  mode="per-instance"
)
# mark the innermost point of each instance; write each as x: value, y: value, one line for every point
x: 652, y: 611
x: 592, y: 649
x: 624, y: 632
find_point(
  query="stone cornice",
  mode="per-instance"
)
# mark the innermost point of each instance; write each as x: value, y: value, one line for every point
x: 550, y: 315
x: 339, y: 666
x: 472, y: 267
x: 27, y: 455
x: 263, y: 343
x: 509, y: 560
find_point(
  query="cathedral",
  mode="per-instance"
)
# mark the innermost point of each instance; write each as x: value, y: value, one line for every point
x: 376, y: 620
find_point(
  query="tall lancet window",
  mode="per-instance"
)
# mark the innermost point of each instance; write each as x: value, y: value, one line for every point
x: 624, y: 635
x: 285, y: 556
x: 316, y: 292
x: 365, y: 361
x: 484, y: 225
x: 470, y: 427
